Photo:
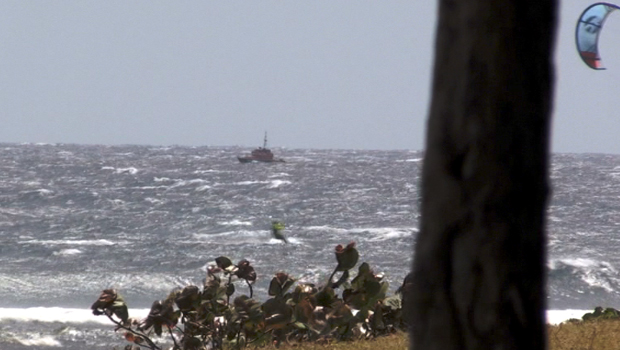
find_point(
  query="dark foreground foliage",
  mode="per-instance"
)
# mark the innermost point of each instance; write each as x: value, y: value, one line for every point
x: 214, y: 316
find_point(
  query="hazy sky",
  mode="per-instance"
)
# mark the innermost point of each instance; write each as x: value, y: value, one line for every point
x: 348, y: 74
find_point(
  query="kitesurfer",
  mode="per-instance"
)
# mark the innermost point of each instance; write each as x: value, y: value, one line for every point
x: 276, y: 228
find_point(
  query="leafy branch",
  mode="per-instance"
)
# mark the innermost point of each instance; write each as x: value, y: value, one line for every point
x: 211, y: 316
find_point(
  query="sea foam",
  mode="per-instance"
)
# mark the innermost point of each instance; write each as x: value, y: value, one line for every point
x: 61, y: 315
x: 74, y: 315
x: 92, y: 242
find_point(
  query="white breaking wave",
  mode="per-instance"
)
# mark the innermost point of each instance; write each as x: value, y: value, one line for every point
x: 243, y: 183
x: 44, y: 191
x: 270, y: 184
x: 577, y: 262
x: 376, y: 233
x: 327, y: 229
x: 210, y: 171
x: 384, y: 233
x: 559, y: 316
x: 130, y: 170
x: 181, y: 183
x: 594, y: 273
x: 68, y: 252
x: 240, y: 233
x: 37, y: 340
x: 241, y: 237
x: 290, y: 240
x: 61, y: 315
x: 203, y: 188
x: 153, y: 200
x: 235, y: 223
x: 95, y: 242
x: 278, y: 183
x: 71, y: 315
x: 336, y: 196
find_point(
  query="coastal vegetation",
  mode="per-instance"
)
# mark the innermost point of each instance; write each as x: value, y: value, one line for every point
x: 342, y: 313
x: 216, y: 316
x: 598, y: 330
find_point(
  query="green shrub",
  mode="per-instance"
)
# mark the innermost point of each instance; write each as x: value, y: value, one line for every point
x: 199, y: 318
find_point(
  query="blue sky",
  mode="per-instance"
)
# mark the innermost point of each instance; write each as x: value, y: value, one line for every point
x: 314, y: 74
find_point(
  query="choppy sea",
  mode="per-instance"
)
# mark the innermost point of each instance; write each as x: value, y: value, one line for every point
x: 76, y: 219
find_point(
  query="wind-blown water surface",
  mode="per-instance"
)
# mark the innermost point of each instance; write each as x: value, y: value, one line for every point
x: 76, y: 219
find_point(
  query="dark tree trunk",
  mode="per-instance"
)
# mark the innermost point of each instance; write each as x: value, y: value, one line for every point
x: 479, y: 266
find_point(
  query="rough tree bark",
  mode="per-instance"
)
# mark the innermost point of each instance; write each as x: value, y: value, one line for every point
x: 479, y: 265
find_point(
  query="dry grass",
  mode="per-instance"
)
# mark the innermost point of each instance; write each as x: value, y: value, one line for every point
x: 591, y: 335
x: 397, y: 341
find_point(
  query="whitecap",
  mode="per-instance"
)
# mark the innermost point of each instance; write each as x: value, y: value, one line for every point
x: 289, y: 240
x: 203, y: 188
x: 39, y: 340
x: 153, y: 200
x: 278, y: 183
x: 210, y: 171
x: 588, y: 233
x: 196, y: 181
x: 327, y: 228
x: 40, y: 191
x: 116, y: 202
x: 235, y: 223
x: 241, y: 237
x: 390, y: 233
x: 241, y: 233
x: 243, y: 183
x: 150, y: 187
x: 68, y: 252
x: 180, y: 183
x: 16, y: 212
x: 275, y: 241
x: 130, y: 170
x: 95, y: 242
x: 594, y: 273
x: 576, y: 262
x: 375, y: 234
x: 61, y: 315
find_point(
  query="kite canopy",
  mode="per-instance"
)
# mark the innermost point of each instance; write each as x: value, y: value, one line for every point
x: 588, y: 30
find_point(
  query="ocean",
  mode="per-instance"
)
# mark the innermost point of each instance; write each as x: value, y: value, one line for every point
x: 77, y: 219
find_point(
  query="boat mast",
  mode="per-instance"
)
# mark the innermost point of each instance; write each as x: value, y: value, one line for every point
x: 265, y: 141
